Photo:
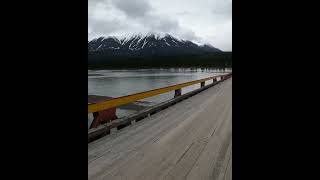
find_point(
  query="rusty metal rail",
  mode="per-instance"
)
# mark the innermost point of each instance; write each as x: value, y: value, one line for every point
x: 115, y: 102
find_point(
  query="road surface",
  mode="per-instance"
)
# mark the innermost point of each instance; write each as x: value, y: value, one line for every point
x: 190, y: 140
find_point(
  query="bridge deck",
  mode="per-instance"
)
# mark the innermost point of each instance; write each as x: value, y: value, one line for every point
x: 190, y: 140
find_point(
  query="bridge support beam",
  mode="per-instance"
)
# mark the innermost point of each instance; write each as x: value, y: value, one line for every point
x: 177, y: 92
x: 202, y: 84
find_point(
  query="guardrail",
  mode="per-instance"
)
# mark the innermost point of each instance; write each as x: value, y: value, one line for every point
x: 115, y: 102
x: 107, y: 128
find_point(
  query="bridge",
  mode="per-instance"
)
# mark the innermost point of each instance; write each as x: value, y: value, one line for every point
x: 187, y: 137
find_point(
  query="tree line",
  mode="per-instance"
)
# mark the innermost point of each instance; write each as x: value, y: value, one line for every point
x: 213, y: 60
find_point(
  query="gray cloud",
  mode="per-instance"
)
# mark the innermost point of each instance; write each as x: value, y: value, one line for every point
x: 190, y: 35
x: 222, y: 10
x: 161, y: 24
x: 104, y: 27
x: 184, y: 13
x: 133, y: 8
x: 206, y: 21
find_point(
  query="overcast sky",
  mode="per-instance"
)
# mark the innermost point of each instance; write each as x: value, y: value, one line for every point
x: 203, y: 21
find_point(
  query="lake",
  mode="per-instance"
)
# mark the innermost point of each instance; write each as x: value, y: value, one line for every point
x: 115, y: 83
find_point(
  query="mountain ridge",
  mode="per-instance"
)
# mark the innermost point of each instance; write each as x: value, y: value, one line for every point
x: 150, y: 44
x: 153, y: 50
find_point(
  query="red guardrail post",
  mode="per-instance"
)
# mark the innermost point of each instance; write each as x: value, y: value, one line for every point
x: 103, y: 117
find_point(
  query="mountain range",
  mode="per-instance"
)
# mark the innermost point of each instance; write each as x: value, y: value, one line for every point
x: 153, y: 50
x: 148, y: 45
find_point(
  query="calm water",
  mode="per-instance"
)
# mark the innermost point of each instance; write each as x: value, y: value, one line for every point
x: 117, y: 83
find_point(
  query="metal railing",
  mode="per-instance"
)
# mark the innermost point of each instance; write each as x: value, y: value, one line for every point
x: 118, y: 101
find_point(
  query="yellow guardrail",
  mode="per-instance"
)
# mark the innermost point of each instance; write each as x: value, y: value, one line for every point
x: 115, y: 102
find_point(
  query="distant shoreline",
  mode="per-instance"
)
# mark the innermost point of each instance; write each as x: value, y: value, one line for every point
x: 95, y: 74
x: 105, y: 61
x: 154, y: 67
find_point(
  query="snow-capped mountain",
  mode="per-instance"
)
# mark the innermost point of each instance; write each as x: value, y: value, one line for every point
x: 148, y: 45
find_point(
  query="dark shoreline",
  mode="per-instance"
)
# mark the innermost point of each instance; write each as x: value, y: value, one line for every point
x: 95, y: 74
x: 151, y: 67
x: 98, y: 61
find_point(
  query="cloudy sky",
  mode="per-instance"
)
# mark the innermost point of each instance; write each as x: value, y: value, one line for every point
x: 202, y: 21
